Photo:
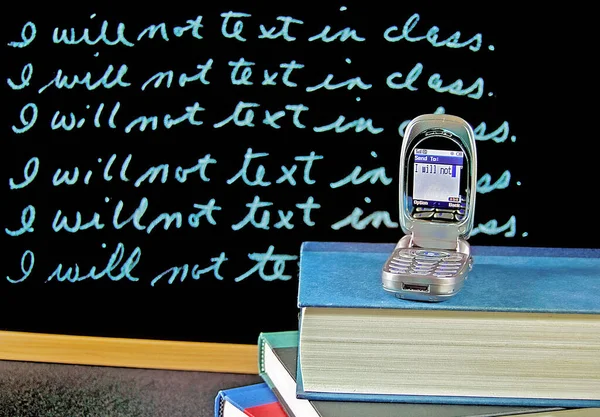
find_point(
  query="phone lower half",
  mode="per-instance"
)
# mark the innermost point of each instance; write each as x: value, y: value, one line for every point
x: 426, y: 274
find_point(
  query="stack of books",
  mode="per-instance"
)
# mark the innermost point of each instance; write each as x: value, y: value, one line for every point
x: 521, y: 338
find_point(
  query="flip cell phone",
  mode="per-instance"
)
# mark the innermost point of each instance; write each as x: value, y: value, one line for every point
x: 438, y: 181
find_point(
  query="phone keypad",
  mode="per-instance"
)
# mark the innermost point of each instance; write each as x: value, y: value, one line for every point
x: 439, y: 213
x: 427, y: 262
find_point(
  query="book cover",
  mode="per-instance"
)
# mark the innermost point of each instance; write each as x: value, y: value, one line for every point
x: 546, y: 280
x: 277, y: 366
x: 504, y: 279
x: 256, y: 400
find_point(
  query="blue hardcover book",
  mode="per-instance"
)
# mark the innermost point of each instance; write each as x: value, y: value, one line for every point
x: 256, y: 400
x: 524, y: 330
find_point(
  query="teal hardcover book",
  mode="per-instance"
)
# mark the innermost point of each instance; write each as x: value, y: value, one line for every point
x: 523, y: 331
x: 277, y: 365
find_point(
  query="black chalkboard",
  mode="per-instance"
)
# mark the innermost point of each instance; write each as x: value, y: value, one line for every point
x: 162, y: 165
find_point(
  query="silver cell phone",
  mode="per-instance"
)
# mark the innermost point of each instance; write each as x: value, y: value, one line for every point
x: 438, y: 181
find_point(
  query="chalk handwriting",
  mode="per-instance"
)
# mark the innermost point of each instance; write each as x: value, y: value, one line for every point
x: 283, y: 32
x: 26, y: 75
x: 27, y: 122
x: 484, y: 184
x: 358, y: 222
x: 453, y: 41
x: 196, y: 272
x: 261, y: 263
x: 29, y: 173
x: 64, y: 81
x: 238, y: 25
x: 157, y: 79
x: 492, y: 228
x: 27, y: 36
x: 342, y: 35
x: 355, y: 177
x: 115, y: 263
x: 70, y: 37
x: 27, y: 264
x: 27, y: 219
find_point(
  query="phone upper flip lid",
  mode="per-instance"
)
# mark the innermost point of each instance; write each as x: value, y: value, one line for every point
x: 433, y: 173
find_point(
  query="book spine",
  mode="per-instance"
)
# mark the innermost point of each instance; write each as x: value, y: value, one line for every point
x: 219, y: 404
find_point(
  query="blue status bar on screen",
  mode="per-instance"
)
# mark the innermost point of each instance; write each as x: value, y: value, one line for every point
x: 430, y: 156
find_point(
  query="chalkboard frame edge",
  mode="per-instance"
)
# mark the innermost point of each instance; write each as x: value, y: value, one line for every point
x: 129, y: 353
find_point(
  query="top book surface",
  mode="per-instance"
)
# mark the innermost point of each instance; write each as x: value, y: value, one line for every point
x: 512, y: 279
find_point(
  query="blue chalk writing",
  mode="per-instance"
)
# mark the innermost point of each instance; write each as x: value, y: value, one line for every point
x: 201, y: 75
x: 29, y: 173
x: 492, y: 228
x: 474, y: 91
x: 288, y: 175
x: 204, y: 210
x: 60, y: 121
x: 181, y: 174
x: 27, y: 219
x: 293, y: 65
x: 27, y: 263
x: 270, y: 119
x: 297, y: 109
x: 374, y: 175
x: 111, y: 117
x: 484, y: 184
x: 499, y: 135
x: 235, y: 117
x: 152, y: 30
x: 349, y: 84
x: 62, y: 81
x: 27, y: 123
x: 63, y: 36
x: 27, y: 35
x: 269, y: 79
x: 306, y: 209
x: 412, y: 76
x: 375, y: 219
x: 359, y: 125
x: 238, y: 26
x: 283, y: 32
x: 135, y: 217
x: 158, y: 78
x: 65, y: 177
x: 343, y: 35
x: 196, y: 273
x: 261, y: 263
x: 123, y: 172
x: 73, y: 274
x: 453, y: 41
x: 152, y: 173
x: 144, y: 121
x: 61, y: 222
x: 193, y: 25
x: 167, y: 219
x: 284, y: 220
x: 309, y: 163
x: 246, y: 72
x: 243, y: 172
x: 251, y: 216
x: 26, y: 74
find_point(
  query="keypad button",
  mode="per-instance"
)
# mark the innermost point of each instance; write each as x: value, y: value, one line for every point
x: 421, y: 209
x: 444, y: 216
x: 423, y: 215
x: 431, y: 253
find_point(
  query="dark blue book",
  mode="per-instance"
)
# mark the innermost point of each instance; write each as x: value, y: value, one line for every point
x: 523, y: 331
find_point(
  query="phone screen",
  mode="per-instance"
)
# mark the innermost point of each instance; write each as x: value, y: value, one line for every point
x: 436, y: 179
x: 436, y: 185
